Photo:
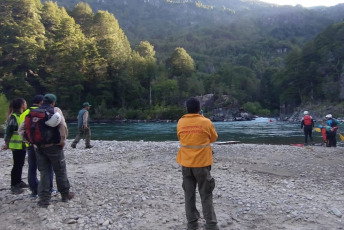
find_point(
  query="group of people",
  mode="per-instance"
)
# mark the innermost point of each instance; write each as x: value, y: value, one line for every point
x: 328, y: 128
x: 195, y: 155
x: 48, y: 158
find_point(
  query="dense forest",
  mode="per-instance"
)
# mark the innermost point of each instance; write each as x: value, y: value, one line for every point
x: 259, y: 56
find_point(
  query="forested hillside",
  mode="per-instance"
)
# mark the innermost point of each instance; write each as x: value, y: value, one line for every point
x: 142, y: 59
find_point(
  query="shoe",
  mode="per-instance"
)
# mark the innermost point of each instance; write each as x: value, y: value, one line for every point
x: 16, y: 190
x: 54, y: 192
x: 67, y: 197
x: 89, y: 146
x: 73, y: 146
x: 33, y: 194
x: 193, y: 225
x: 22, y: 184
x: 43, y: 203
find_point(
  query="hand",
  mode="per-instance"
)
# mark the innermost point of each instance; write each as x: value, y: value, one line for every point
x: 85, y: 127
x: 4, y: 147
x: 62, y: 143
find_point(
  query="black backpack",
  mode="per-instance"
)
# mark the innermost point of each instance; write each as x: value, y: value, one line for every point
x: 334, y: 123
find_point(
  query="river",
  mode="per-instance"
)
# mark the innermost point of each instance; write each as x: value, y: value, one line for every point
x: 260, y: 131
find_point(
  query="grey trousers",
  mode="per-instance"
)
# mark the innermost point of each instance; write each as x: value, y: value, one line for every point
x: 206, y: 185
x: 86, y: 133
x: 46, y: 157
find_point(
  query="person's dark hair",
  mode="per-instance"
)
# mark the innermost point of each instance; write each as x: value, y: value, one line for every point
x: 193, y: 105
x: 15, y: 105
x: 37, y: 99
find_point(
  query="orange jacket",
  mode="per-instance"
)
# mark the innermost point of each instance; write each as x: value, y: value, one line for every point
x: 195, y: 133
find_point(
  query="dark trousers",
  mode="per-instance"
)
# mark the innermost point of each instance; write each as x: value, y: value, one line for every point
x: 32, y: 170
x: 206, y: 185
x: 83, y: 133
x: 331, y: 139
x: 17, y: 169
x: 308, y: 132
x: 46, y: 157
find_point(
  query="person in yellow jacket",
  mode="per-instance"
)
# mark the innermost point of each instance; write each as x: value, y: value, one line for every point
x: 195, y: 134
x: 14, y: 142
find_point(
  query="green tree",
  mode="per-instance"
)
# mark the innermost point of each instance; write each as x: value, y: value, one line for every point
x: 83, y: 15
x: 165, y: 91
x: 3, y: 106
x: 111, y: 41
x: 143, y: 67
x: 269, y: 91
x: 181, y: 62
x: 22, y: 40
x: 146, y: 50
x: 66, y: 55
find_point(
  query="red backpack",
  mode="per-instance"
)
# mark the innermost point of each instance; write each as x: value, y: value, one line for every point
x: 307, y: 120
x: 36, y: 131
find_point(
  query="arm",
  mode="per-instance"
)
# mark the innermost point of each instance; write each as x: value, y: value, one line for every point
x: 62, y: 128
x: 10, y: 128
x: 85, y: 119
x: 213, y: 133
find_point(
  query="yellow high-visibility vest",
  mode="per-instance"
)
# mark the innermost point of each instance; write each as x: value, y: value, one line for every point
x: 16, y: 142
x: 22, y: 118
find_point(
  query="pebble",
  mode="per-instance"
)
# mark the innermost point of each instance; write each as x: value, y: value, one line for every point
x: 336, y: 212
x: 138, y: 185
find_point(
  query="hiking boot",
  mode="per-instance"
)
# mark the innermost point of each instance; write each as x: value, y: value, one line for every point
x: 89, y: 146
x: 16, y: 190
x: 22, y: 184
x: 73, y: 146
x: 67, y: 197
x: 43, y: 203
x: 193, y: 225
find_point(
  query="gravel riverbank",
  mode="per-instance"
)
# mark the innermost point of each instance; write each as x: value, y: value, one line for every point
x: 137, y: 185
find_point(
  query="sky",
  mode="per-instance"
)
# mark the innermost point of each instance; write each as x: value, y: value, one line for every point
x: 305, y: 3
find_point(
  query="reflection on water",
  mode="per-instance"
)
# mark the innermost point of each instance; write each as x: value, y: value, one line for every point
x: 261, y: 130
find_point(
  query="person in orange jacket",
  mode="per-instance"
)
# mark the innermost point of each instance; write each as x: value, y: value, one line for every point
x: 195, y: 133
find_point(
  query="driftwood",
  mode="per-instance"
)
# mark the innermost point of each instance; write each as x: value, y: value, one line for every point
x: 227, y: 142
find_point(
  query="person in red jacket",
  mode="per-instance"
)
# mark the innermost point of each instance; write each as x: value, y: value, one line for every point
x: 307, y: 125
x: 195, y: 133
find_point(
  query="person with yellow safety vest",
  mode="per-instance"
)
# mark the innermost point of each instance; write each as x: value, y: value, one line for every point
x: 31, y: 154
x: 195, y: 134
x: 14, y: 142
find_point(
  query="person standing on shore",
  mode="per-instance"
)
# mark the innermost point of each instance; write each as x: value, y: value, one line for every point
x: 307, y: 125
x: 195, y: 134
x: 52, y: 154
x: 14, y: 142
x: 83, y: 127
x: 32, y: 160
x: 331, y: 127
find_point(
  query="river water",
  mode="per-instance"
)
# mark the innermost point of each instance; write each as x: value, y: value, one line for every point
x: 259, y: 131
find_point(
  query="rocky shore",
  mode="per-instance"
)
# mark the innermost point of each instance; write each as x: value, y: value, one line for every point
x: 137, y: 185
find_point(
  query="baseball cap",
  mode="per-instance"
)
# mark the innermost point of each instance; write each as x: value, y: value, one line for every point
x: 49, y: 97
x: 86, y: 104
